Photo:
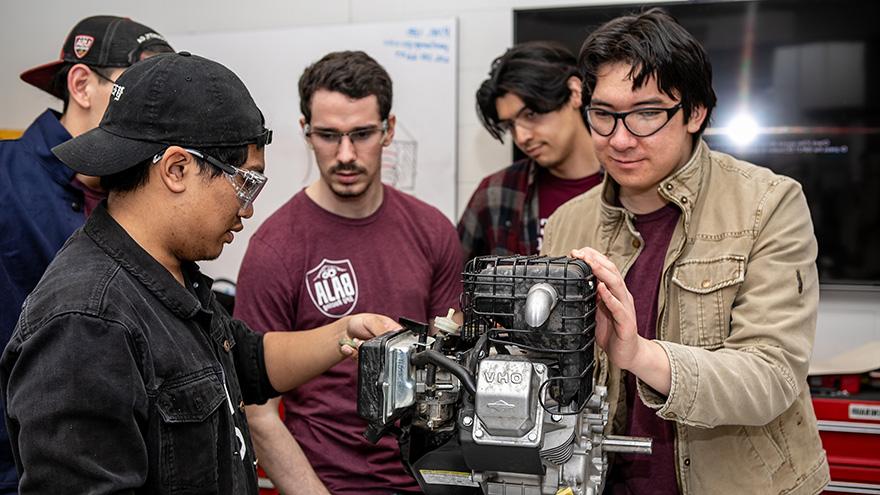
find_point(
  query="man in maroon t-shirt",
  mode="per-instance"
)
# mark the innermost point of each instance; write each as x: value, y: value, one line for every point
x: 534, y: 93
x: 346, y: 243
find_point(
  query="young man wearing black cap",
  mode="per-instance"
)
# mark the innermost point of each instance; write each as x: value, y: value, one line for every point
x: 533, y: 93
x: 124, y: 374
x: 43, y: 200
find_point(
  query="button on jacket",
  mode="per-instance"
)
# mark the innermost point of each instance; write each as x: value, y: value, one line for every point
x: 118, y: 379
x: 736, y: 316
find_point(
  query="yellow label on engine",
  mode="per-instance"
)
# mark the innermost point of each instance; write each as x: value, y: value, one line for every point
x: 445, y: 477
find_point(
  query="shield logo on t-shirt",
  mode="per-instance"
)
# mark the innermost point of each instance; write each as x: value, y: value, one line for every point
x: 332, y: 285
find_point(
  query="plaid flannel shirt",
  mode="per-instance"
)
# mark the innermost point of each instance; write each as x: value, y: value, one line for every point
x: 501, y: 217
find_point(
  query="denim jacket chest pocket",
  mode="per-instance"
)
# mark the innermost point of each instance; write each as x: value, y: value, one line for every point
x: 706, y: 289
x: 189, y: 410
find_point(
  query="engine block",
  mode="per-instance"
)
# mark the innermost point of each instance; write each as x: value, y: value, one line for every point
x: 506, y: 404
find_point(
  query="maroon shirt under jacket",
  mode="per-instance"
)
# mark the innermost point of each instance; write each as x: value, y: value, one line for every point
x: 654, y: 473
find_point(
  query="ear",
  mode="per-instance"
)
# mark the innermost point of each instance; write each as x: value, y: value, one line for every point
x: 174, y: 168
x: 698, y: 115
x: 302, y: 125
x: 78, y: 85
x: 575, y: 85
x: 389, y: 135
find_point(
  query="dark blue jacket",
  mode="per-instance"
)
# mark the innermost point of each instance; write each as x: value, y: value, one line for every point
x: 118, y: 379
x: 40, y: 209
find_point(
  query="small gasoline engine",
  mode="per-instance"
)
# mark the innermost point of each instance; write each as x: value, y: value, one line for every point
x: 505, y: 404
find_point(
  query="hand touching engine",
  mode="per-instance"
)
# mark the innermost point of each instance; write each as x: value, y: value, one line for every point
x: 361, y: 327
x: 617, y: 332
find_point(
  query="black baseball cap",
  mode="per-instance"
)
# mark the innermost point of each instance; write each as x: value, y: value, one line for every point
x: 99, y: 41
x: 169, y: 99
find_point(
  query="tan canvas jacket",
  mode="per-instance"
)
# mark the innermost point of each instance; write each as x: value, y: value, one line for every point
x: 737, y: 318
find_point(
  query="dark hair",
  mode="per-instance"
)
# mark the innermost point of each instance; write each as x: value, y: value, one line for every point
x: 653, y: 43
x: 134, y: 177
x: 536, y: 71
x: 352, y: 73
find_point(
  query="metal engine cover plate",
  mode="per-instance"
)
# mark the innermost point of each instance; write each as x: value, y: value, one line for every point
x: 507, y: 406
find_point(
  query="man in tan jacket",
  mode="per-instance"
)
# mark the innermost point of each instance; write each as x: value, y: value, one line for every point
x: 707, y: 280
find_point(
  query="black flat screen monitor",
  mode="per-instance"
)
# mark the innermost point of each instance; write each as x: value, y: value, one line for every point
x: 798, y: 85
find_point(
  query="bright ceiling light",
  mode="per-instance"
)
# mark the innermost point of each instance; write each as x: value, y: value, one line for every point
x: 742, y: 129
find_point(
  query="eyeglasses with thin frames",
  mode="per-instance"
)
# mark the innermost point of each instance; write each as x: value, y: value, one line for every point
x: 330, y: 139
x: 525, y: 118
x: 641, y: 122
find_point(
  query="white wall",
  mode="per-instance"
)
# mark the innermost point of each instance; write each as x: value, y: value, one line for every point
x: 31, y: 32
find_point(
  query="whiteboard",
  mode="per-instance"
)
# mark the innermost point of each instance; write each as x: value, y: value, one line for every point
x: 422, y: 59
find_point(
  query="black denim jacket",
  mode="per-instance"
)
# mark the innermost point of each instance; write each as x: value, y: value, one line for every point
x: 118, y: 379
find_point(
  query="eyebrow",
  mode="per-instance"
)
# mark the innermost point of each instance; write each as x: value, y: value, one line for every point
x: 648, y: 101
x: 517, y: 114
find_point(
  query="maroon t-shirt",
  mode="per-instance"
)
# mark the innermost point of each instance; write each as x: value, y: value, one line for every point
x: 304, y: 268
x: 554, y: 191
x: 654, y: 473
x: 91, y: 197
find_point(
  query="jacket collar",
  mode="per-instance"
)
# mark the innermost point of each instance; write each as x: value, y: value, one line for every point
x: 115, y: 241
x: 681, y: 188
x: 41, y: 136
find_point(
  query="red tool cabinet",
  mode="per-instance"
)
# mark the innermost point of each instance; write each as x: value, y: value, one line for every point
x: 850, y: 431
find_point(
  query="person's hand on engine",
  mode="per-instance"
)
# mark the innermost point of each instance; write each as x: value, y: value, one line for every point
x: 361, y: 327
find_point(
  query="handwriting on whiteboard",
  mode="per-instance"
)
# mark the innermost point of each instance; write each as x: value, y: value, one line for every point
x: 422, y: 44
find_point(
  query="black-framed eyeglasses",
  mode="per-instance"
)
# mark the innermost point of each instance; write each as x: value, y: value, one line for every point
x: 332, y: 139
x: 247, y: 183
x: 641, y: 122
x: 98, y: 71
